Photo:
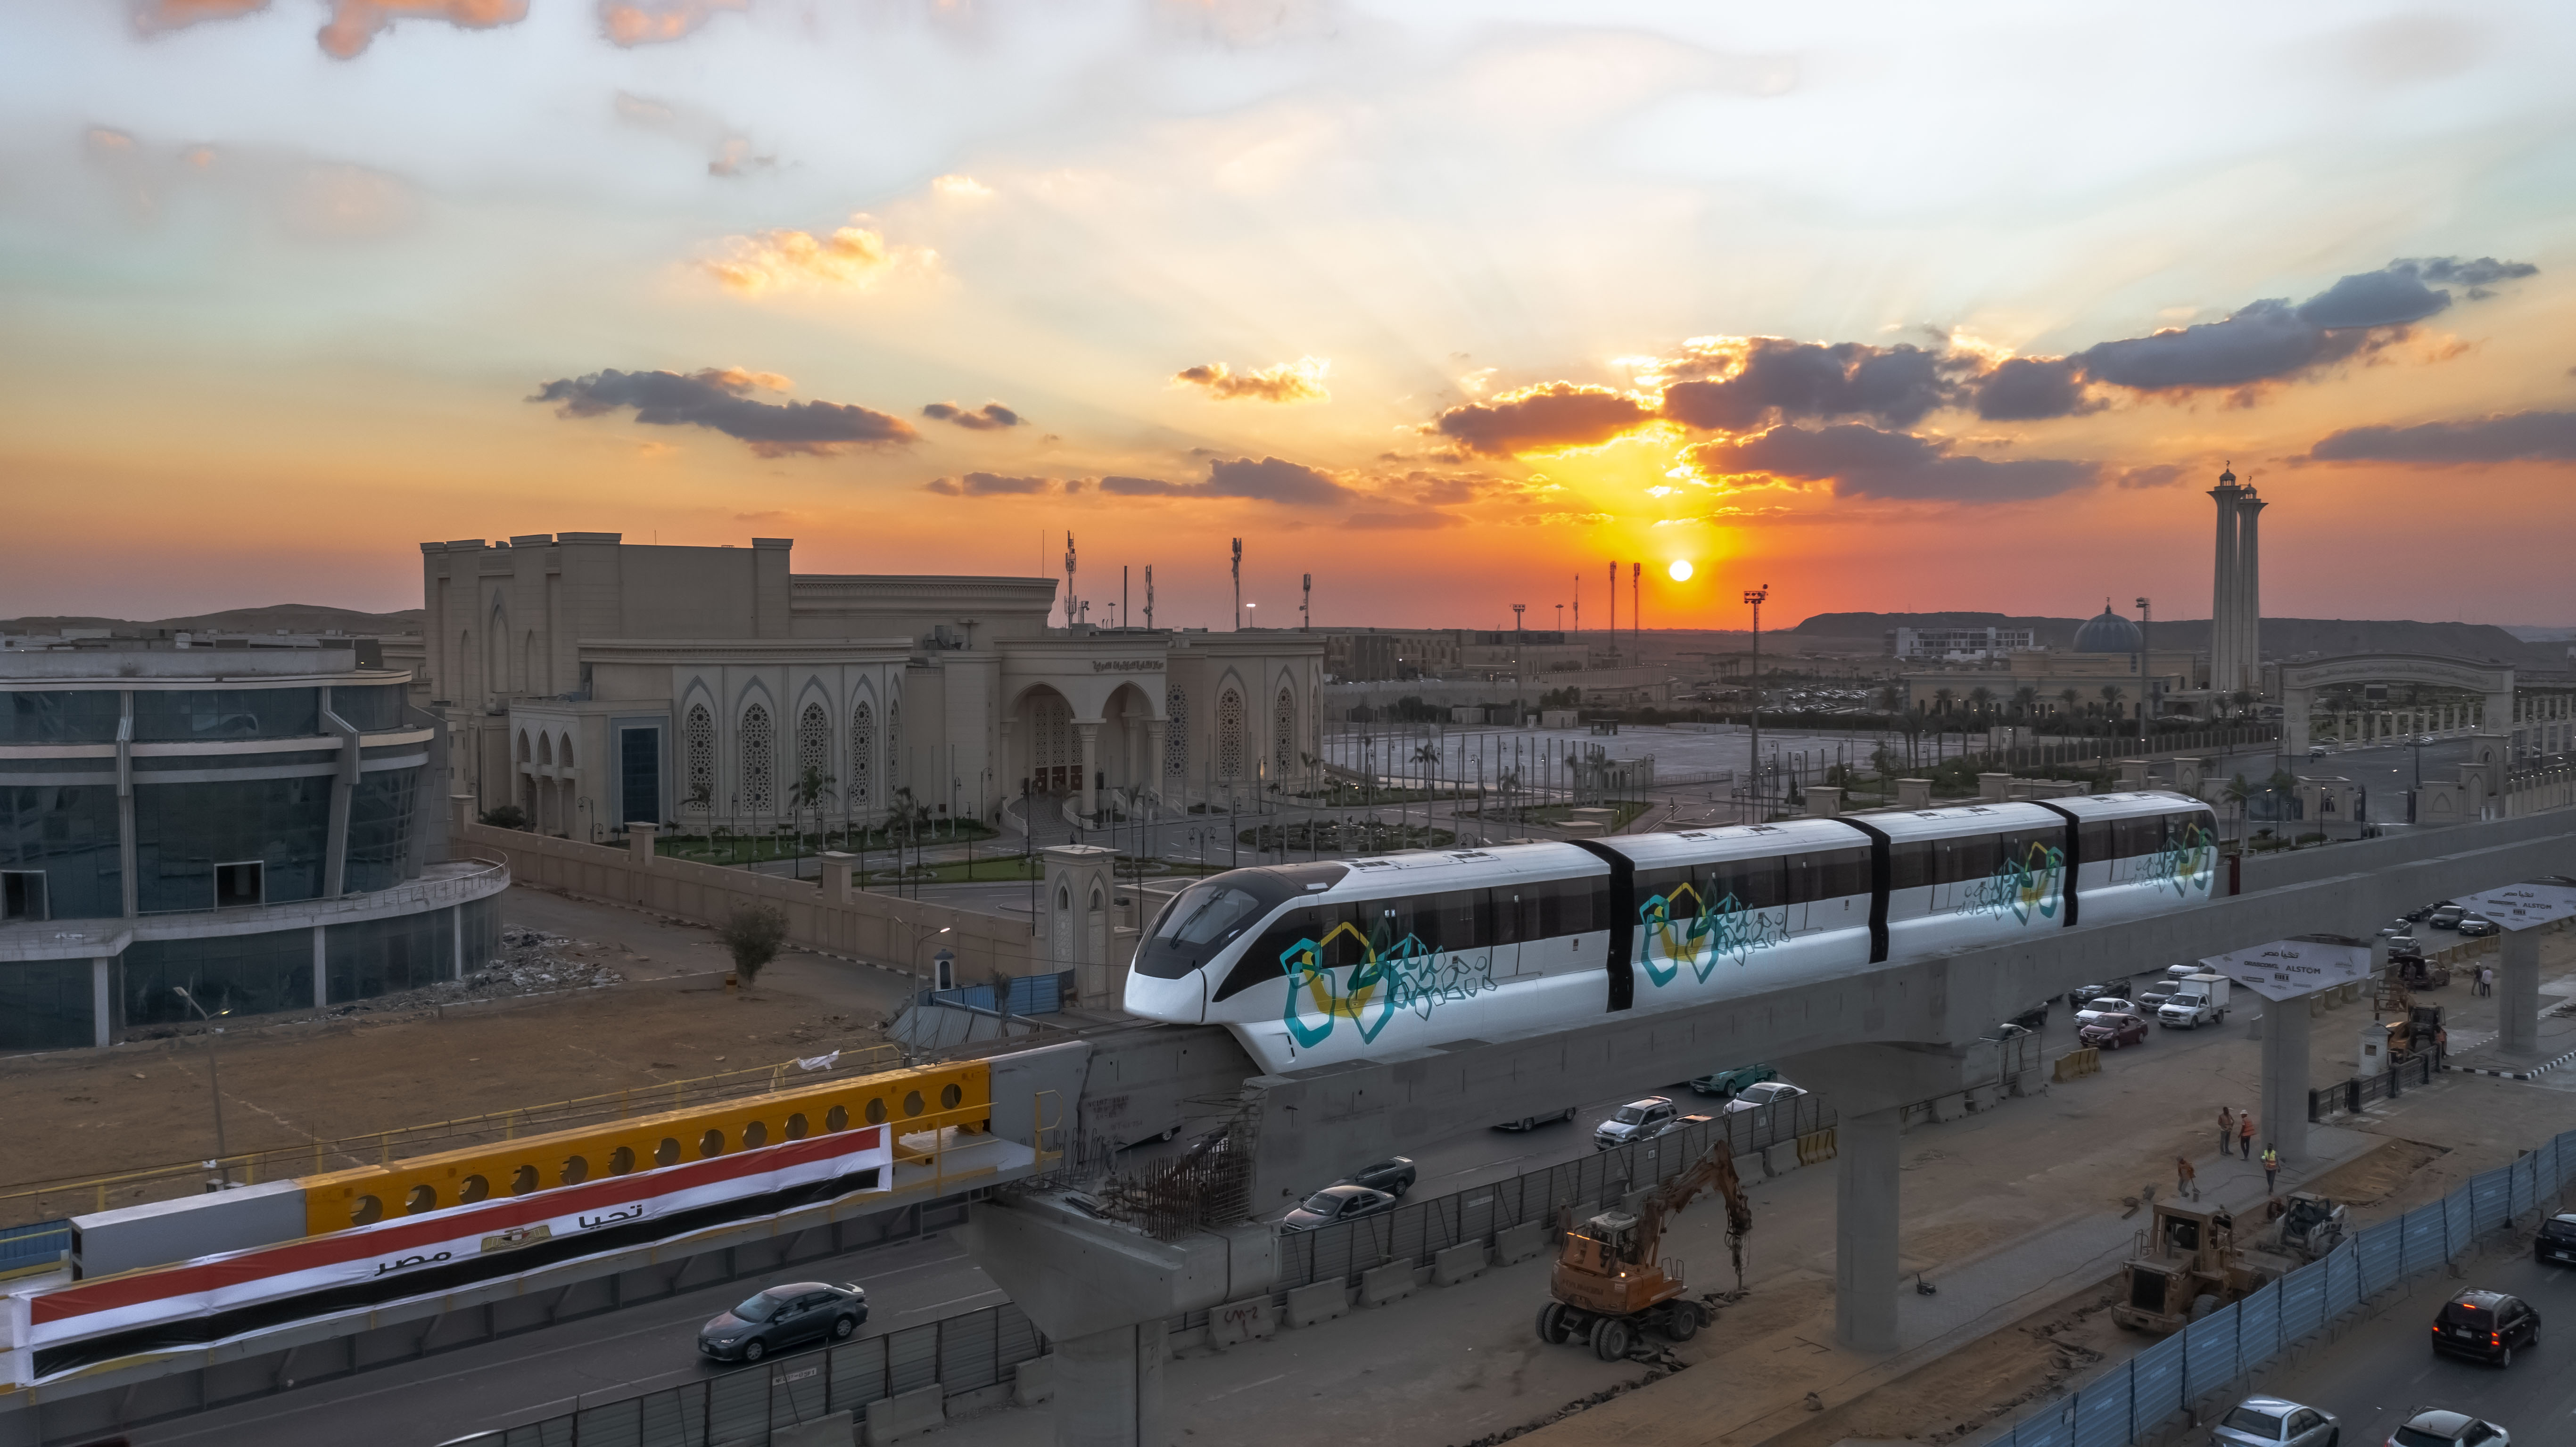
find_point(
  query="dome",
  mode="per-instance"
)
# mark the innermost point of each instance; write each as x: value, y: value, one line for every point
x: 2109, y: 633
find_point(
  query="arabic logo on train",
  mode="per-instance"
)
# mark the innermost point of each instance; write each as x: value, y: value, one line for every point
x: 2020, y: 887
x: 1703, y: 936
x: 1391, y: 975
x: 2187, y: 862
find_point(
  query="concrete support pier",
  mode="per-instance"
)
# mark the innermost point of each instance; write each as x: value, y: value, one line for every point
x: 1865, y: 1230
x: 2518, y: 993
x: 1109, y: 1387
x: 2285, y: 1078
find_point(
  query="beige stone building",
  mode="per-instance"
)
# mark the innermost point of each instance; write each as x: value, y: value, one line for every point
x: 591, y: 682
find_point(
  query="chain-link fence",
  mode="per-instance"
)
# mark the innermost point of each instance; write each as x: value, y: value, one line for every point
x: 2214, y: 1353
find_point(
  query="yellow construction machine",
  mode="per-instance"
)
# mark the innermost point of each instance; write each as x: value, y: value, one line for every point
x: 1611, y: 1282
x: 2190, y: 1266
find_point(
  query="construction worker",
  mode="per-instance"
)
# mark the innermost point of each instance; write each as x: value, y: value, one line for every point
x: 2226, y: 1128
x: 2271, y: 1166
x: 2245, y: 1134
x: 2184, y: 1177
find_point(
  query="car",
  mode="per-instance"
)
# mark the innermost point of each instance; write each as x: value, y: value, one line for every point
x: 2032, y: 1017
x: 1725, y: 1083
x: 780, y: 1316
x: 1636, y: 1121
x: 2184, y: 970
x: 1394, y: 1175
x: 2396, y: 927
x: 1533, y: 1122
x: 2418, y: 914
x: 2423, y: 738
x: 2447, y: 917
x: 2110, y: 1032
x: 2442, y: 1427
x: 2086, y: 994
x: 2104, y: 1005
x: 2318, y: 751
x: 2557, y: 1240
x: 2152, y: 998
x: 2487, y: 1325
x: 2476, y: 926
x: 1336, y: 1203
x: 2275, y: 1422
x: 1763, y: 1096
x: 2405, y: 945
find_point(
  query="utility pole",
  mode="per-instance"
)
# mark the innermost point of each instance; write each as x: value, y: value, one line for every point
x: 1124, y: 618
x: 1149, y: 595
x: 1516, y: 661
x: 1614, y: 615
x: 2147, y: 618
x: 1755, y: 597
x: 1069, y: 614
x: 1238, y: 585
x: 1636, y: 611
x: 1306, y: 609
x: 1578, y: 607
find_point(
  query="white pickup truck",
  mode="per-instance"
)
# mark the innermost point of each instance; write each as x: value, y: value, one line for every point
x: 2197, y: 1000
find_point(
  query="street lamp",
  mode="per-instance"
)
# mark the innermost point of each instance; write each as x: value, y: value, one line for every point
x: 214, y: 1082
x: 1754, y: 598
x: 922, y: 936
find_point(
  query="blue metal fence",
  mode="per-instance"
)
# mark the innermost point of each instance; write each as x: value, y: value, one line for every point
x: 34, y: 1247
x: 2129, y: 1400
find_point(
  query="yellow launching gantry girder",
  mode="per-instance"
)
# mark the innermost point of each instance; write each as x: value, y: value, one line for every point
x: 920, y: 1100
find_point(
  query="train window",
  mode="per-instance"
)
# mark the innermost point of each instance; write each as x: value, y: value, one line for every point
x: 1965, y: 860
x: 423, y: 1198
x: 911, y: 1104
x: 1266, y: 958
x: 836, y: 1119
x: 1567, y: 908
x: 755, y: 1135
x: 876, y: 1110
x: 1836, y: 874
x: 576, y: 1169
x: 2134, y: 838
x: 1461, y: 922
x: 950, y: 1095
x: 668, y: 1152
x: 711, y: 1145
x: 2094, y: 839
x: 523, y: 1180
x: 796, y: 1126
x: 1680, y: 895
x: 621, y: 1160
x: 472, y: 1189
x: 1909, y: 866
x: 369, y: 1210
x: 1751, y: 883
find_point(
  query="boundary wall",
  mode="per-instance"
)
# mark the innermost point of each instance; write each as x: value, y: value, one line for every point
x: 2156, y: 1396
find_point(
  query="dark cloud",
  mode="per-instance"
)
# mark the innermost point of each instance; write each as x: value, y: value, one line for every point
x: 2257, y: 343
x: 2023, y: 389
x: 991, y: 484
x: 1778, y: 380
x: 1419, y: 518
x: 2389, y: 297
x: 719, y: 401
x: 2483, y: 271
x: 1861, y: 461
x: 1271, y: 479
x: 990, y: 417
x: 2511, y: 437
x: 2162, y: 474
x: 1538, y: 419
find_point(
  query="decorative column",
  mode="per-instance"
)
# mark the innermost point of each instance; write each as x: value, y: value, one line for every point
x: 2249, y: 598
x: 2222, y: 589
x: 1157, y: 737
x: 1090, y: 735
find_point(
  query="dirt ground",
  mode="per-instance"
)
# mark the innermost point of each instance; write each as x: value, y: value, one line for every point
x: 146, y: 1104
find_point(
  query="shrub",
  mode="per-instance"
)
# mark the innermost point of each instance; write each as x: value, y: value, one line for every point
x: 752, y: 936
x: 508, y: 816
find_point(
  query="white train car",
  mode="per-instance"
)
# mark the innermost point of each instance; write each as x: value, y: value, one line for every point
x: 1309, y: 964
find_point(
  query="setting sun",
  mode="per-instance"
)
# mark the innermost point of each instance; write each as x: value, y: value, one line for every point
x: 1681, y: 570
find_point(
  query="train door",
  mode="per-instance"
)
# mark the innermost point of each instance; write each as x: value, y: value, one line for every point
x: 1502, y: 916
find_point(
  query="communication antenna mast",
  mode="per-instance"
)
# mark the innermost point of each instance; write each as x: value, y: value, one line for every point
x: 1069, y: 611
x: 1636, y: 610
x: 1149, y: 595
x: 1306, y: 609
x: 1238, y: 585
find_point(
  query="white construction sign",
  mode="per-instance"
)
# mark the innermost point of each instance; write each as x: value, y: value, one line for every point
x: 2520, y: 906
x: 2287, y: 969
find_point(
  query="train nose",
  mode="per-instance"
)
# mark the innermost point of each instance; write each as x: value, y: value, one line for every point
x: 1182, y: 1001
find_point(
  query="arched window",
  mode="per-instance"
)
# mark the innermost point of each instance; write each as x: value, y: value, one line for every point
x: 1283, y: 734
x: 863, y: 752
x: 524, y: 755
x: 1229, y: 735
x: 759, y: 763
x: 813, y: 756
x: 1176, y: 732
x: 545, y: 748
x: 894, y: 741
x: 698, y: 742
x: 563, y: 755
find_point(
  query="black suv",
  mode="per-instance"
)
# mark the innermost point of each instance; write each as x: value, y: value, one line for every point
x: 2486, y: 1325
x: 2557, y: 1240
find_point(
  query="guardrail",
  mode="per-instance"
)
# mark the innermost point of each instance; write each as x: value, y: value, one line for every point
x: 2361, y: 1090
x: 2216, y: 1353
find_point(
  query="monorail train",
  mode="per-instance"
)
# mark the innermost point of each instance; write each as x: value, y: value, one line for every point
x: 1309, y: 964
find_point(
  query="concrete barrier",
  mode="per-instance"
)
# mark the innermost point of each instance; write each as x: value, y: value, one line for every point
x: 1817, y: 1147
x: 1321, y: 1302
x: 832, y: 1429
x: 1391, y: 1282
x: 1033, y: 1381
x: 906, y: 1414
x: 2076, y: 1063
x: 1237, y: 1322
x: 1758, y: 1165
x: 1946, y: 1108
x: 1459, y: 1263
x: 1520, y: 1243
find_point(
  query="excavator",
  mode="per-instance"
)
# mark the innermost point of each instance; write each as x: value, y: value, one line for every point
x: 1611, y: 1284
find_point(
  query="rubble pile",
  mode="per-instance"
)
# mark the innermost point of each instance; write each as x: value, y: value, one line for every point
x: 532, y: 962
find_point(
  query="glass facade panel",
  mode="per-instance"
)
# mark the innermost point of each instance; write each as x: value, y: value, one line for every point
x: 182, y: 831
x: 380, y: 956
x: 481, y: 923
x: 639, y: 774
x: 246, y: 974
x: 87, y: 717
x: 45, y: 1005
x: 191, y: 715
x: 69, y: 832
x: 369, y: 707
x: 380, y: 821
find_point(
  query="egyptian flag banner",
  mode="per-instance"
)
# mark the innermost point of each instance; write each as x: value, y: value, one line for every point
x: 213, y: 1298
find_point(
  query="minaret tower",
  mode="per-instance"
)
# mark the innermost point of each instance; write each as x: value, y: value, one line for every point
x: 2225, y: 628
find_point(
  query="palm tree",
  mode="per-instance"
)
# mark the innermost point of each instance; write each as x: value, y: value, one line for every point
x: 2067, y: 696
x: 1982, y: 699
x: 2237, y: 792
x: 808, y: 793
x: 2026, y: 699
x: 2111, y: 696
x: 1891, y: 699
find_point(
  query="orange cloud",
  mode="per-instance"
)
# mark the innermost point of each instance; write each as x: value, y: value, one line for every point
x: 151, y: 16
x: 852, y: 258
x: 1299, y: 381
x: 1540, y: 419
x: 657, y: 21
x: 352, y: 25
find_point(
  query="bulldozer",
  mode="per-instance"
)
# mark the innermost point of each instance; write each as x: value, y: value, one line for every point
x: 1611, y: 1283
x: 2311, y: 1226
x: 2189, y: 1266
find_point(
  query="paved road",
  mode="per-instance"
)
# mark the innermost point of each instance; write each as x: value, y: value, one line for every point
x: 2386, y: 1371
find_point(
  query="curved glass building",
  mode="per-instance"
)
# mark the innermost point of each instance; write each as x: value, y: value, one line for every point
x: 242, y: 829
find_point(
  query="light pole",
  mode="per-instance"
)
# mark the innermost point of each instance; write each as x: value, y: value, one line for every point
x: 1755, y: 597
x: 214, y: 1082
x: 922, y: 935
x: 2146, y: 621
x: 1516, y: 662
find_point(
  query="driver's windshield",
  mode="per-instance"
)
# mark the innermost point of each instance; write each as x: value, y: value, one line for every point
x: 2413, y: 1437
x: 759, y: 1308
x: 2559, y: 1230
x: 1215, y: 912
x: 1323, y: 1203
x: 2246, y: 1419
x: 1628, y: 1115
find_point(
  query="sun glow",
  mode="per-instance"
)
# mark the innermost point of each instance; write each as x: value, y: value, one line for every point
x: 1680, y: 570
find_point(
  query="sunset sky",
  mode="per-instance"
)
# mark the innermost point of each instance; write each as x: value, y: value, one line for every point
x: 1892, y: 306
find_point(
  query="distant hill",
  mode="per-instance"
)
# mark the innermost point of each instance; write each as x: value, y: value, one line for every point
x: 2282, y: 637
x: 293, y: 617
